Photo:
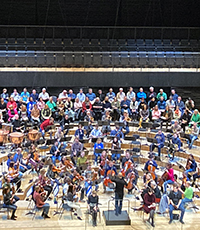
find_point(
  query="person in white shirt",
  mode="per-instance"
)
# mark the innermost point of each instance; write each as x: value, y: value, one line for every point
x: 63, y: 95
x: 44, y: 95
x: 120, y: 95
x: 130, y: 94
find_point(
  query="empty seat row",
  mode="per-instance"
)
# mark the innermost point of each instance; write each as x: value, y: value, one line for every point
x: 98, y: 59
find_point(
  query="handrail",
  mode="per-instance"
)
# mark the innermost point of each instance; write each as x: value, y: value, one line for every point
x: 118, y: 199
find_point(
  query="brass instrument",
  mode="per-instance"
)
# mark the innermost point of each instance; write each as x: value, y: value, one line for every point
x: 128, y: 119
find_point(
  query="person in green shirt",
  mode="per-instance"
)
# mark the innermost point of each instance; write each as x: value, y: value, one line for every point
x: 188, y: 194
x: 82, y: 161
x: 162, y: 94
x: 195, y: 118
x: 51, y: 104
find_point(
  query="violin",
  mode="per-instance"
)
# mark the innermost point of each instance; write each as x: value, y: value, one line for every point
x: 56, y: 169
x: 36, y: 156
x: 189, y: 163
x: 68, y: 164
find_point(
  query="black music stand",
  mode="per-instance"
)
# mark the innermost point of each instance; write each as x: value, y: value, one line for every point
x: 147, y: 125
x: 65, y: 139
x: 84, y: 140
x: 152, y: 140
x: 117, y: 151
x: 69, y: 126
x: 99, y: 150
x: 51, y: 141
x: 109, y: 137
x: 84, y: 123
x: 129, y: 138
x: 100, y: 123
x: 120, y: 124
x: 94, y: 139
x: 105, y: 123
x: 134, y: 124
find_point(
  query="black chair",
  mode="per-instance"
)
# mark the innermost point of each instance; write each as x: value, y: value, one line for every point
x: 50, y: 60
x: 97, y: 59
x: 161, y: 60
x: 133, y: 59
x: 69, y: 59
x: 12, y: 59
x: 88, y: 59
x: 31, y: 59
x: 78, y: 59
x: 41, y: 59
x: 124, y: 59
x: 116, y: 60
x: 21, y: 59
x: 106, y: 59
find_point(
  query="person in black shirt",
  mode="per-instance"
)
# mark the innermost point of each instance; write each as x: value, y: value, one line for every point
x: 93, y: 201
x: 119, y: 192
x: 175, y: 198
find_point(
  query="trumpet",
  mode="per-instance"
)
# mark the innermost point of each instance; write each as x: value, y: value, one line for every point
x: 128, y: 119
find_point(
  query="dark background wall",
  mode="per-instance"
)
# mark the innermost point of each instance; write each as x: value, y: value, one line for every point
x: 98, y: 79
x: 100, y: 12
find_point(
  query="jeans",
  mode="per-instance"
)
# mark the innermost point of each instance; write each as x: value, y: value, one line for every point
x: 118, y: 203
x: 171, y: 208
x: 46, y: 207
x: 166, y: 183
x: 54, y: 158
x: 12, y: 207
x: 115, y: 156
x: 192, y: 139
x: 127, y: 130
x: 159, y: 147
x: 185, y: 200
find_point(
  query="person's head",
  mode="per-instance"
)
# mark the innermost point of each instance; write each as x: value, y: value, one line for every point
x: 127, y: 154
x: 120, y: 90
x: 99, y: 140
x: 77, y: 100
x: 81, y: 90
x: 59, y: 129
x: 156, y: 107
x: 79, y: 126
x: 179, y: 98
x: 87, y: 99
x: 70, y: 91
x: 96, y: 126
x: 153, y: 99
x: 82, y: 154
x: 51, y: 120
x: 12, y: 163
x: 150, y: 191
x: 141, y: 90
x: 51, y: 99
x: 115, y: 139
x: 100, y: 91
x: 131, y: 89
x: 196, y: 111
x: 37, y: 188
x: 134, y: 99
x: 46, y: 106
x: 33, y: 91
x: 25, y: 90
x: 175, y: 187
x: 90, y: 90
x: 6, y: 190
x: 153, y: 184
x: 125, y: 113
x: 43, y: 171
x: 35, y: 106
x: 4, y: 90
x: 10, y: 107
x: 94, y: 193
x: 44, y: 90
x: 169, y: 166
x: 167, y: 108
x: 148, y: 176
x: 170, y: 98
x: 145, y: 107
x: 76, y: 139
x: 161, y: 91
x: 16, y: 116
x: 106, y: 98
x: 175, y: 135
x: 19, y: 150
x: 117, y: 127
x: 120, y: 175
x: 12, y: 99
x: 30, y: 99
x: 173, y: 91
x: 111, y: 163
x: 2, y: 100
x: 161, y: 98
x: 159, y: 131
x: 175, y: 123
x: 191, y: 157
x: 40, y: 99
x: 125, y: 98
x: 187, y: 184
x: 151, y: 89
x: 97, y: 99
x: 110, y: 90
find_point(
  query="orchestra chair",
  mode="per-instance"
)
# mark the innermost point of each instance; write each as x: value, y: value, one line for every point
x: 88, y: 215
x: 64, y: 207
x: 36, y: 210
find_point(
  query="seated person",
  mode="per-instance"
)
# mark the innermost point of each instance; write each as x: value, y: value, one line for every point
x: 150, y: 205
x: 132, y: 171
x: 188, y: 193
x: 175, y: 199
x: 151, y: 166
x: 193, y: 136
x: 160, y: 142
x: 45, y: 124
x: 89, y: 119
x: 127, y: 158
x: 155, y: 116
x: 171, y: 103
x: 76, y: 149
x: 125, y: 119
x: 14, y: 176
x: 98, y: 145
x: 93, y: 201
x: 97, y: 109
x: 170, y: 179
x: 35, y: 114
x: 185, y: 119
x: 79, y: 132
x: 176, y: 143
x: 12, y: 113
x: 116, y: 109
x: 161, y: 104
x: 82, y: 161
x: 191, y: 165
x: 177, y: 113
x: 118, y: 133
x: 134, y: 109
x: 55, y: 152
x: 17, y: 126
x: 116, y: 144
x: 195, y: 118
x: 166, y: 116
x: 40, y: 203
x: 46, y: 113
x: 125, y: 105
x: 44, y: 183
x: 96, y: 132
x: 8, y: 202
x: 144, y: 116
x: 106, y: 117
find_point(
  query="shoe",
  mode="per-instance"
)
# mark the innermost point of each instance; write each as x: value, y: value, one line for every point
x: 46, y: 216
x: 79, y: 218
x: 116, y: 214
x: 182, y: 222
x: 20, y: 191
x: 13, y: 218
x: 75, y: 214
x: 148, y: 221
x: 153, y: 225
x: 170, y: 221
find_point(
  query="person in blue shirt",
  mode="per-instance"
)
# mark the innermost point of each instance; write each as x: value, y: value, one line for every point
x: 125, y: 119
x: 110, y: 166
x: 160, y: 142
x: 141, y: 94
x: 125, y: 105
x: 96, y: 132
x: 151, y: 162
x: 176, y: 145
x: 98, y: 145
x: 174, y: 95
x: 81, y: 96
x: 191, y: 165
x: 110, y: 95
x: 18, y: 159
x: 54, y: 151
x: 161, y: 104
x: 91, y: 95
x: 30, y: 105
x: 5, y: 95
x: 25, y: 95
x: 118, y: 133
x: 34, y: 95
x: 72, y: 95
x: 79, y: 132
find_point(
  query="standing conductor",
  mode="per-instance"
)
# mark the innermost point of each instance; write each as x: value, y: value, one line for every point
x: 119, y: 192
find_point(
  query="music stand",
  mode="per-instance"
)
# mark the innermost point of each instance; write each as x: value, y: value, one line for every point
x: 94, y: 139
x: 100, y: 123
x: 84, y: 140
x: 120, y: 124
x: 134, y: 124
x: 105, y: 123
x: 83, y: 123
x: 109, y: 137
x: 129, y: 138
x: 65, y: 139
x: 99, y: 150
x: 69, y: 126
x: 51, y: 141
x: 146, y: 125
x: 152, y: 140
x: 117, y: 151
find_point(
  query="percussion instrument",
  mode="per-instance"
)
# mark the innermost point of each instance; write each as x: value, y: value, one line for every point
x: 3, y: 135
x: 7, y: 127
x: 16, y: 137
x: 33, y: 135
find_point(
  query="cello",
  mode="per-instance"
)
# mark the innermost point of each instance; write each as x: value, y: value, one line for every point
x: 152, y: 169
x: 131, y: 178
x: 107, y: 180
x: 162, y: 179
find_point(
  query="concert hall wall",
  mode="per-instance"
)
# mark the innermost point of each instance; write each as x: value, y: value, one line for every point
x: 98, y: 79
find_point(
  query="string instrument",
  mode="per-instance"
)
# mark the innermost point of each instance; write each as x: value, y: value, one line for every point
x: 103, y: 165
x: 36, y: 156
x: 163, y: 178
x: 189, y: 163
x: 94, y: 177
x: 152, y: 169
x: 68, y: 164
x: 107, y: 180
x: 131, y: 177
x: 127, y: 165
x: 78, y: 178
x: 56, y: 169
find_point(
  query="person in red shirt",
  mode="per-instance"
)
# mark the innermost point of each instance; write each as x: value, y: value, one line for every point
x: 12, y: 102
x: 170, y: 179
x: 40, y: 203
x: 45, y: 124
